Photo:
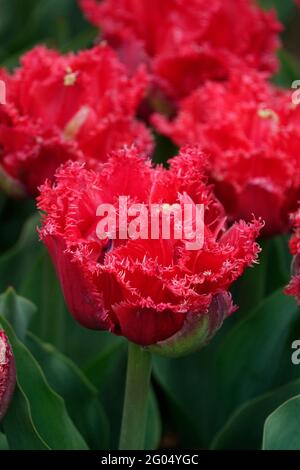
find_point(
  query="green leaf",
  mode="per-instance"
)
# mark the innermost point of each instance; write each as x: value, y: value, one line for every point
x: 279, y: 256
x: 53, y: 22
x: 47, y: 409
x: 42, y: 287
x: 3, y: 442
x: 256, y: 275
x: 204, y: 389
x: 80, y: 396
x: 281, y: 431
x: 3, y: 199
x: 242, y: 431
x: 266, y: 279
x: 284, y: 8
x: 17, y: 310
x: 15, y: 263
x: 20, y: 430
x: 92, y: 342
x: 154, y: 426
x: 191, y: 393
x: 14, y: 215
x: 259, y: 343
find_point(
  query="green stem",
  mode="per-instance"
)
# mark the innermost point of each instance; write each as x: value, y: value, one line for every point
x: 136, y: 399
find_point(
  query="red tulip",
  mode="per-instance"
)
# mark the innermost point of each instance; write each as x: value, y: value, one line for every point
x: 67, y: 107
x: 251, y: 130
x: 7, y: 374
x: 184, y: 42
x: 148, y: 290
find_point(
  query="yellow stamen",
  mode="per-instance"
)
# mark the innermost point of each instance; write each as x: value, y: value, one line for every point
x: 166, y: 207
x: 268, y: 114
x: 70, y: 77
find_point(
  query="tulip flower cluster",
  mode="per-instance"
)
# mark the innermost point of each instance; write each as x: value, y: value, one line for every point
x: 75, y: 136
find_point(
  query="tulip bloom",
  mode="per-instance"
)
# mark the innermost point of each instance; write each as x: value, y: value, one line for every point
x: 66, y: 107
x: 152, y: 291
x: 251, y: 130
x: 7, y: 374
x: 184, y: 43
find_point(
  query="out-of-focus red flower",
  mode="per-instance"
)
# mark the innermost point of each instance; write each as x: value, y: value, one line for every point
x: 294, y: 285
x: 148, y: 290
x: 62, y: 107
x: 187, y: 42
x: 7, y: 374
x: 251, y: 130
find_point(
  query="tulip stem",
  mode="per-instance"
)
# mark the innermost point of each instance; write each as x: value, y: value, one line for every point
x: 133, y: 428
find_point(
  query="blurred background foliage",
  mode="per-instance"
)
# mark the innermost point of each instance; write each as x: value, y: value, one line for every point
x: 219, y: 397
x: 57, y: 23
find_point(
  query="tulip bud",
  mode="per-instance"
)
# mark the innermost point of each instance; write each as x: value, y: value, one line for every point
x: 7, y: 374
x: 197, y: 330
